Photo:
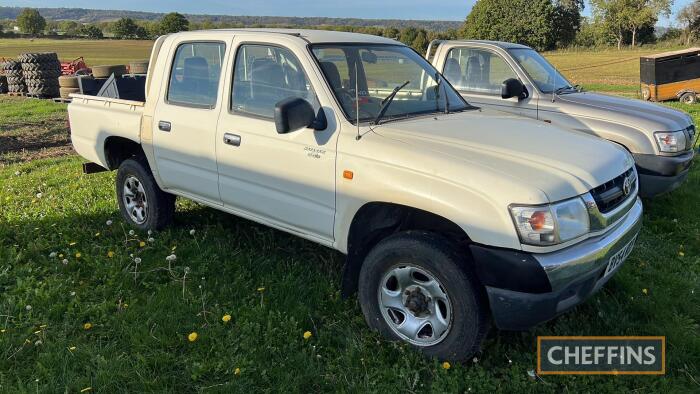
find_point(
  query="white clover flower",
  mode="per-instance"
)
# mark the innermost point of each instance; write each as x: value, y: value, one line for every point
x: 65, y: 261
x: 475, y: 360
x: 151, y: 240
x: 187, y: 270
x: 192, y: 232
x: 131, y: 232
x: 171, y: 258
x: 17, y: 173
x: 137, y: 260
x: 72, y: 294
x: 109, y: 222
x: 150, y: 232
x: 38, y: 343
x: 38, y: 195
x: 52, y: 255
x: 28, y: 307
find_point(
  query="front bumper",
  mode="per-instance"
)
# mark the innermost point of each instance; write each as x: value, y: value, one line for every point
x: 662, y: 174
x: 574, y: 274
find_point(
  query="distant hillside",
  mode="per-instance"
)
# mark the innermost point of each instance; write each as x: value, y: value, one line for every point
x: 87, y: 15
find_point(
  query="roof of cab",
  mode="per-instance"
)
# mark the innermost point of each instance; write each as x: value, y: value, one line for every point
x: 500, y: 44
x: 315, y: 36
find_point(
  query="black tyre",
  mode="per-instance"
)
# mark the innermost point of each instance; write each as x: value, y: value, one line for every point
x: 66, y: 92
x: 142, y: 203
x: 138, y: 67
x: 53, y: 66
x: 417, y: 287
x: 68, y: 81
x: 107, y: 71
x: 689, y: 98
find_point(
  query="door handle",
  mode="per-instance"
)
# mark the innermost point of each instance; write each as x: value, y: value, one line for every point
x: 164, y: 126
x: 232, y: 139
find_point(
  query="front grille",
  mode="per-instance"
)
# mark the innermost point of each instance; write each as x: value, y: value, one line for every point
x: 611, y: 194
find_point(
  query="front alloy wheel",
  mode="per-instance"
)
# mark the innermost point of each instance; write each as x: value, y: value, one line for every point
x: 418, y: 287
x: 415, y: 305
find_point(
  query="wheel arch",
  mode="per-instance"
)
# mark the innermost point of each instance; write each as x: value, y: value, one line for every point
x: 377, y: 220
x: 118, y: 149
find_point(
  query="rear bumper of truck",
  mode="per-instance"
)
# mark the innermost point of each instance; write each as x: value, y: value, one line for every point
x: 525, y: 289
x: 662, y: 174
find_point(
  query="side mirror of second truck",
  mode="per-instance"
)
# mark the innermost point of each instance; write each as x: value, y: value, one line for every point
x: 513, y: 88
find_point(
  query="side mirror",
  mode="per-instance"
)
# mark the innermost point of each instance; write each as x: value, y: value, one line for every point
x: 295, y: 113
x: 513, y: 88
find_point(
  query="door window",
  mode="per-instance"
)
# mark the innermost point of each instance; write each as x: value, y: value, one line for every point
x: 265, y: 75
x: 477, y: 70
x: 194, y: 77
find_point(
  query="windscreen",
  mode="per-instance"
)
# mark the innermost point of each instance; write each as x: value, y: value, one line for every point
x: 365, y: 76
x: 542, y: 73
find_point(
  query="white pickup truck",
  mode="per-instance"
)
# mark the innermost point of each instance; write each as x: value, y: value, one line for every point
x: 515, y: 78
x: 450, y: 216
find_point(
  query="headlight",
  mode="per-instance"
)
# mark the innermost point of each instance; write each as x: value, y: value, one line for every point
x: 551, y: 224
x: 671, y: 142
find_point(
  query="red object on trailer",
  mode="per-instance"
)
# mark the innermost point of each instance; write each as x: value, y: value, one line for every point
x: 70, y: 68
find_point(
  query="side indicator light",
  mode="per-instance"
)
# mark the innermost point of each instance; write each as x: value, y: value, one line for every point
x: 348, y: 174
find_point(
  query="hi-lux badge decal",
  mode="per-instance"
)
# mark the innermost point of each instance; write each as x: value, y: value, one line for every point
x: 314, y: 153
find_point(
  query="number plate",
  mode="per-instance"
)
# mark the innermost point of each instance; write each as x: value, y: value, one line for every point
x: 618, y: 258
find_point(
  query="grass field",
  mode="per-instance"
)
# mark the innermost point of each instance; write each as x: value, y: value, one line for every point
x: 89, y: 306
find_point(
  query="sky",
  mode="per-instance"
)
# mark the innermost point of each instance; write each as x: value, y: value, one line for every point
x: 374, y: 9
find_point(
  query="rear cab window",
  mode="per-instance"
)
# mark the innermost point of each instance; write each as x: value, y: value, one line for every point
x: 195, y: 74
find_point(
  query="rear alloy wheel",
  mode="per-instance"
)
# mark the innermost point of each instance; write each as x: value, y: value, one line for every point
x: 417, y: 287
x: 142, y: 203
x: 689, y: 98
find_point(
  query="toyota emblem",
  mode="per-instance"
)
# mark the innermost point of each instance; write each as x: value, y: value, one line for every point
x: 627, y: 186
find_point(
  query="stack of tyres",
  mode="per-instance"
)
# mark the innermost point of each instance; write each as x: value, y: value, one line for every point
x: 70, y: 84
x: 15, y: 80
x: 41, y: 72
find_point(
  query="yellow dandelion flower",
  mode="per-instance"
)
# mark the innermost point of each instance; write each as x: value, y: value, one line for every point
x: 142, y: 244
x: 110, y: 254
x: 77, y: 255
x: 237, y: 371
x: 72, y: 348
x: 261, y: 289
x: 173, y: 248
x: 681, y: 254
x: 2, y: 331
x: 446, y: 365
x: 86, y: 389
x: 645, y: 291
x: 125, y: 305
x: 97, y: 234
x: 87, y: 326
x: 307, y: 335
x: 192, y: 337
x: 226, y: 318
x: 60, y: 256
x: 72, y: 244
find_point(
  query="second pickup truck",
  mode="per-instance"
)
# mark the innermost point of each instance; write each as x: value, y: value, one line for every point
x: 450, y: 216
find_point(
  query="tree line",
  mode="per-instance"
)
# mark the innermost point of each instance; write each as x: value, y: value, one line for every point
x: 542, y: 24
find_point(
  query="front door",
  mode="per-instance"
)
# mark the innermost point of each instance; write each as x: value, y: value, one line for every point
x: 478, y: 75
x: 184, y: 128
x: 286, y: 180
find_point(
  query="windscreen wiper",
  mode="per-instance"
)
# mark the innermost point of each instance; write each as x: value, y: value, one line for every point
x: 387, y: 102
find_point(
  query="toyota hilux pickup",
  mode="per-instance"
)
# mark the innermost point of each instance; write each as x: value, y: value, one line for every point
x: 451, y: 216
x: 516, y: 79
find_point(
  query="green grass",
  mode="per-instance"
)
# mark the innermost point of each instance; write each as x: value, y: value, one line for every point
x: 95, y: 52
x: 275, y: 287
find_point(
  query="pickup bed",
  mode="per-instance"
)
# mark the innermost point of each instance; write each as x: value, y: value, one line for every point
x: 451, y: 216
x: 661, y: 139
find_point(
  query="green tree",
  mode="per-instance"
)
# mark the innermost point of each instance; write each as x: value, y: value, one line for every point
x: 420, y: 43
x: 142, y: 33
x: 529, y: 22
x: 689, y: 18
x: 69, y: 28
x: 644, y: 13
x: 31, y: 22
x: 91, y: 31
x: 125, y: 28
x: 567, y: 21
x: 174, y: 23
x: 629, y: 17
x: 408, y: 35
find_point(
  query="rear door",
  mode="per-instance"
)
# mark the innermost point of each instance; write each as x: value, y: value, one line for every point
x: 285, y: 180
x: 186, y: 117
x: 478, y: 74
